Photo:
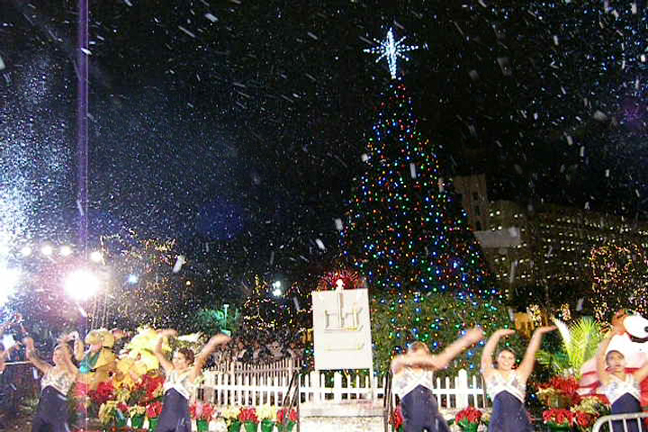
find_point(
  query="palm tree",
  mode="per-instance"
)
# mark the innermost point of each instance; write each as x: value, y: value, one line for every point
x: 579, y: 343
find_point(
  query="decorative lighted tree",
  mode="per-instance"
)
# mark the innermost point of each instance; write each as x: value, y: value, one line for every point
x: 619, y: 280
x: 435, y: 319
x: 406, y: 229
x: 260, y: 311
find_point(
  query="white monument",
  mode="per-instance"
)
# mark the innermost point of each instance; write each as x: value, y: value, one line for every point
x: 342, y: 329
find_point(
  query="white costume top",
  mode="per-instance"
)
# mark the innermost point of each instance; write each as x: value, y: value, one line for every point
x: 408, y: 379
x: 180, y: 382
x: 496, y: 384
x: 61, y: 381
x: 618, y: 387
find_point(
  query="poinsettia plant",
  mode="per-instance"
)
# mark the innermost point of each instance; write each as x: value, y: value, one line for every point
x: 284, y: 415
x: 558, y: 417
x: 154, y: 409
x: 559, y: 392
x: 397, y: 418
x: 468, y: 416
x: 248, y: 414
x: 105, y: 391
x: 202, y: 411
x: 589, y: 410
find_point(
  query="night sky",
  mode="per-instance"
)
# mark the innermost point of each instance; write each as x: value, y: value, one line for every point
x: 242, y: 123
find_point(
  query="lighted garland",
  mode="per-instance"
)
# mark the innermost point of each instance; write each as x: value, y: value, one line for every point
x: 618, y: 280
x: 349, y: 279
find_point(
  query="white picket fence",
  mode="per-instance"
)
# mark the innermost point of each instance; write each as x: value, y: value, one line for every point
x: 255, y: 385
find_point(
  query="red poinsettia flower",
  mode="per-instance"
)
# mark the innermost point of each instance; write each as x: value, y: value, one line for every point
x: 558, y: 416
x: 248, y: 415
x: 584, y: 419
x: 153, y: 410
x: 397, y: 417
x: 284, y: 416
x: 121, y: 406
x: 468, y: 415
x: 105, y: 392
x: 202, y: 411
x: 293, y: 415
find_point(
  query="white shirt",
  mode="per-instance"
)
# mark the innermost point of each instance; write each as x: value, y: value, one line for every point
x: 617, y: 387
x: 180, y: 382
x: 407, y: 380
x: 513, y: 384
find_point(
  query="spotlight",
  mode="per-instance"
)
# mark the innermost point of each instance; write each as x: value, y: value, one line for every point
x: 26, y: 251
x: 65, y: 251
x: 96, y: 256
x: 133, y: 279
x: 47, y: 250
x: 82, y: 284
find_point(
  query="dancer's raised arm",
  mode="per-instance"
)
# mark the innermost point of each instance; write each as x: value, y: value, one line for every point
x: 166, y: 364
x: 33, y: 358
x: 204, y: 354
x: 447, y: 355
x: 420, y: 356
x: 601, y: 365
x: 528, y: 362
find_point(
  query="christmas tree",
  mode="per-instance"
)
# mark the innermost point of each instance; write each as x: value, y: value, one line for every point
x: 406, y: 230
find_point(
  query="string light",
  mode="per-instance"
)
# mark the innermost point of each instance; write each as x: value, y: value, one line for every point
x: 391, y: 50
x: 408, y: 231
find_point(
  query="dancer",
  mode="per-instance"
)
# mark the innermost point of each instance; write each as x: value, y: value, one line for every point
x: 413, y: 382
x: 507, y: 386
x: 52, y: 412
x: 181, y: 375
x: 621, y: 388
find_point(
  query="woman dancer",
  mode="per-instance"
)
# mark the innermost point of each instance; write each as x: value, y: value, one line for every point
x: 621, y: 388
x: 507, y: 386
x: 181, y: 375
x: 413, y: 382
x: 52, y: 411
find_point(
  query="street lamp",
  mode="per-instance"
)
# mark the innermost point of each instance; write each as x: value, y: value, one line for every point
x: 277, y: 289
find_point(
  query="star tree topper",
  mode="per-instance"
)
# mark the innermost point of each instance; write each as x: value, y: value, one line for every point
x: 391, y: 50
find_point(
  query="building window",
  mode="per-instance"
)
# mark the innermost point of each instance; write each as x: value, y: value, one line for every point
x: 478, y: 225
x: 475, y: 196
x: 477, y: 211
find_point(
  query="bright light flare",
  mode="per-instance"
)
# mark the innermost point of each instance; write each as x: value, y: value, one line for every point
x: 26, y: 251
x: 65, y: 251
x: 96, y: 256
x: 82, y: 285
x: 47, y: 250
x: 133, y: 279
x: 9, y: 279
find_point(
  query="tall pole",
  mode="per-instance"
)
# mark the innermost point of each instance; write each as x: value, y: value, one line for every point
x: 82, y: 125
x: 82, y: 139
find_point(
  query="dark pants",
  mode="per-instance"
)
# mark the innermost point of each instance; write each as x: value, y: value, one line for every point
x: 52, y: 412
x: 421, y: 412
x: 627, y: 404
x: 509, y: 415
x: 175, y: 413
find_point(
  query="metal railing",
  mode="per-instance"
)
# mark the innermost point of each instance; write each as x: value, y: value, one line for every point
x: 626, y: 419
x: 388, y: 407
x: 292, y: 399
